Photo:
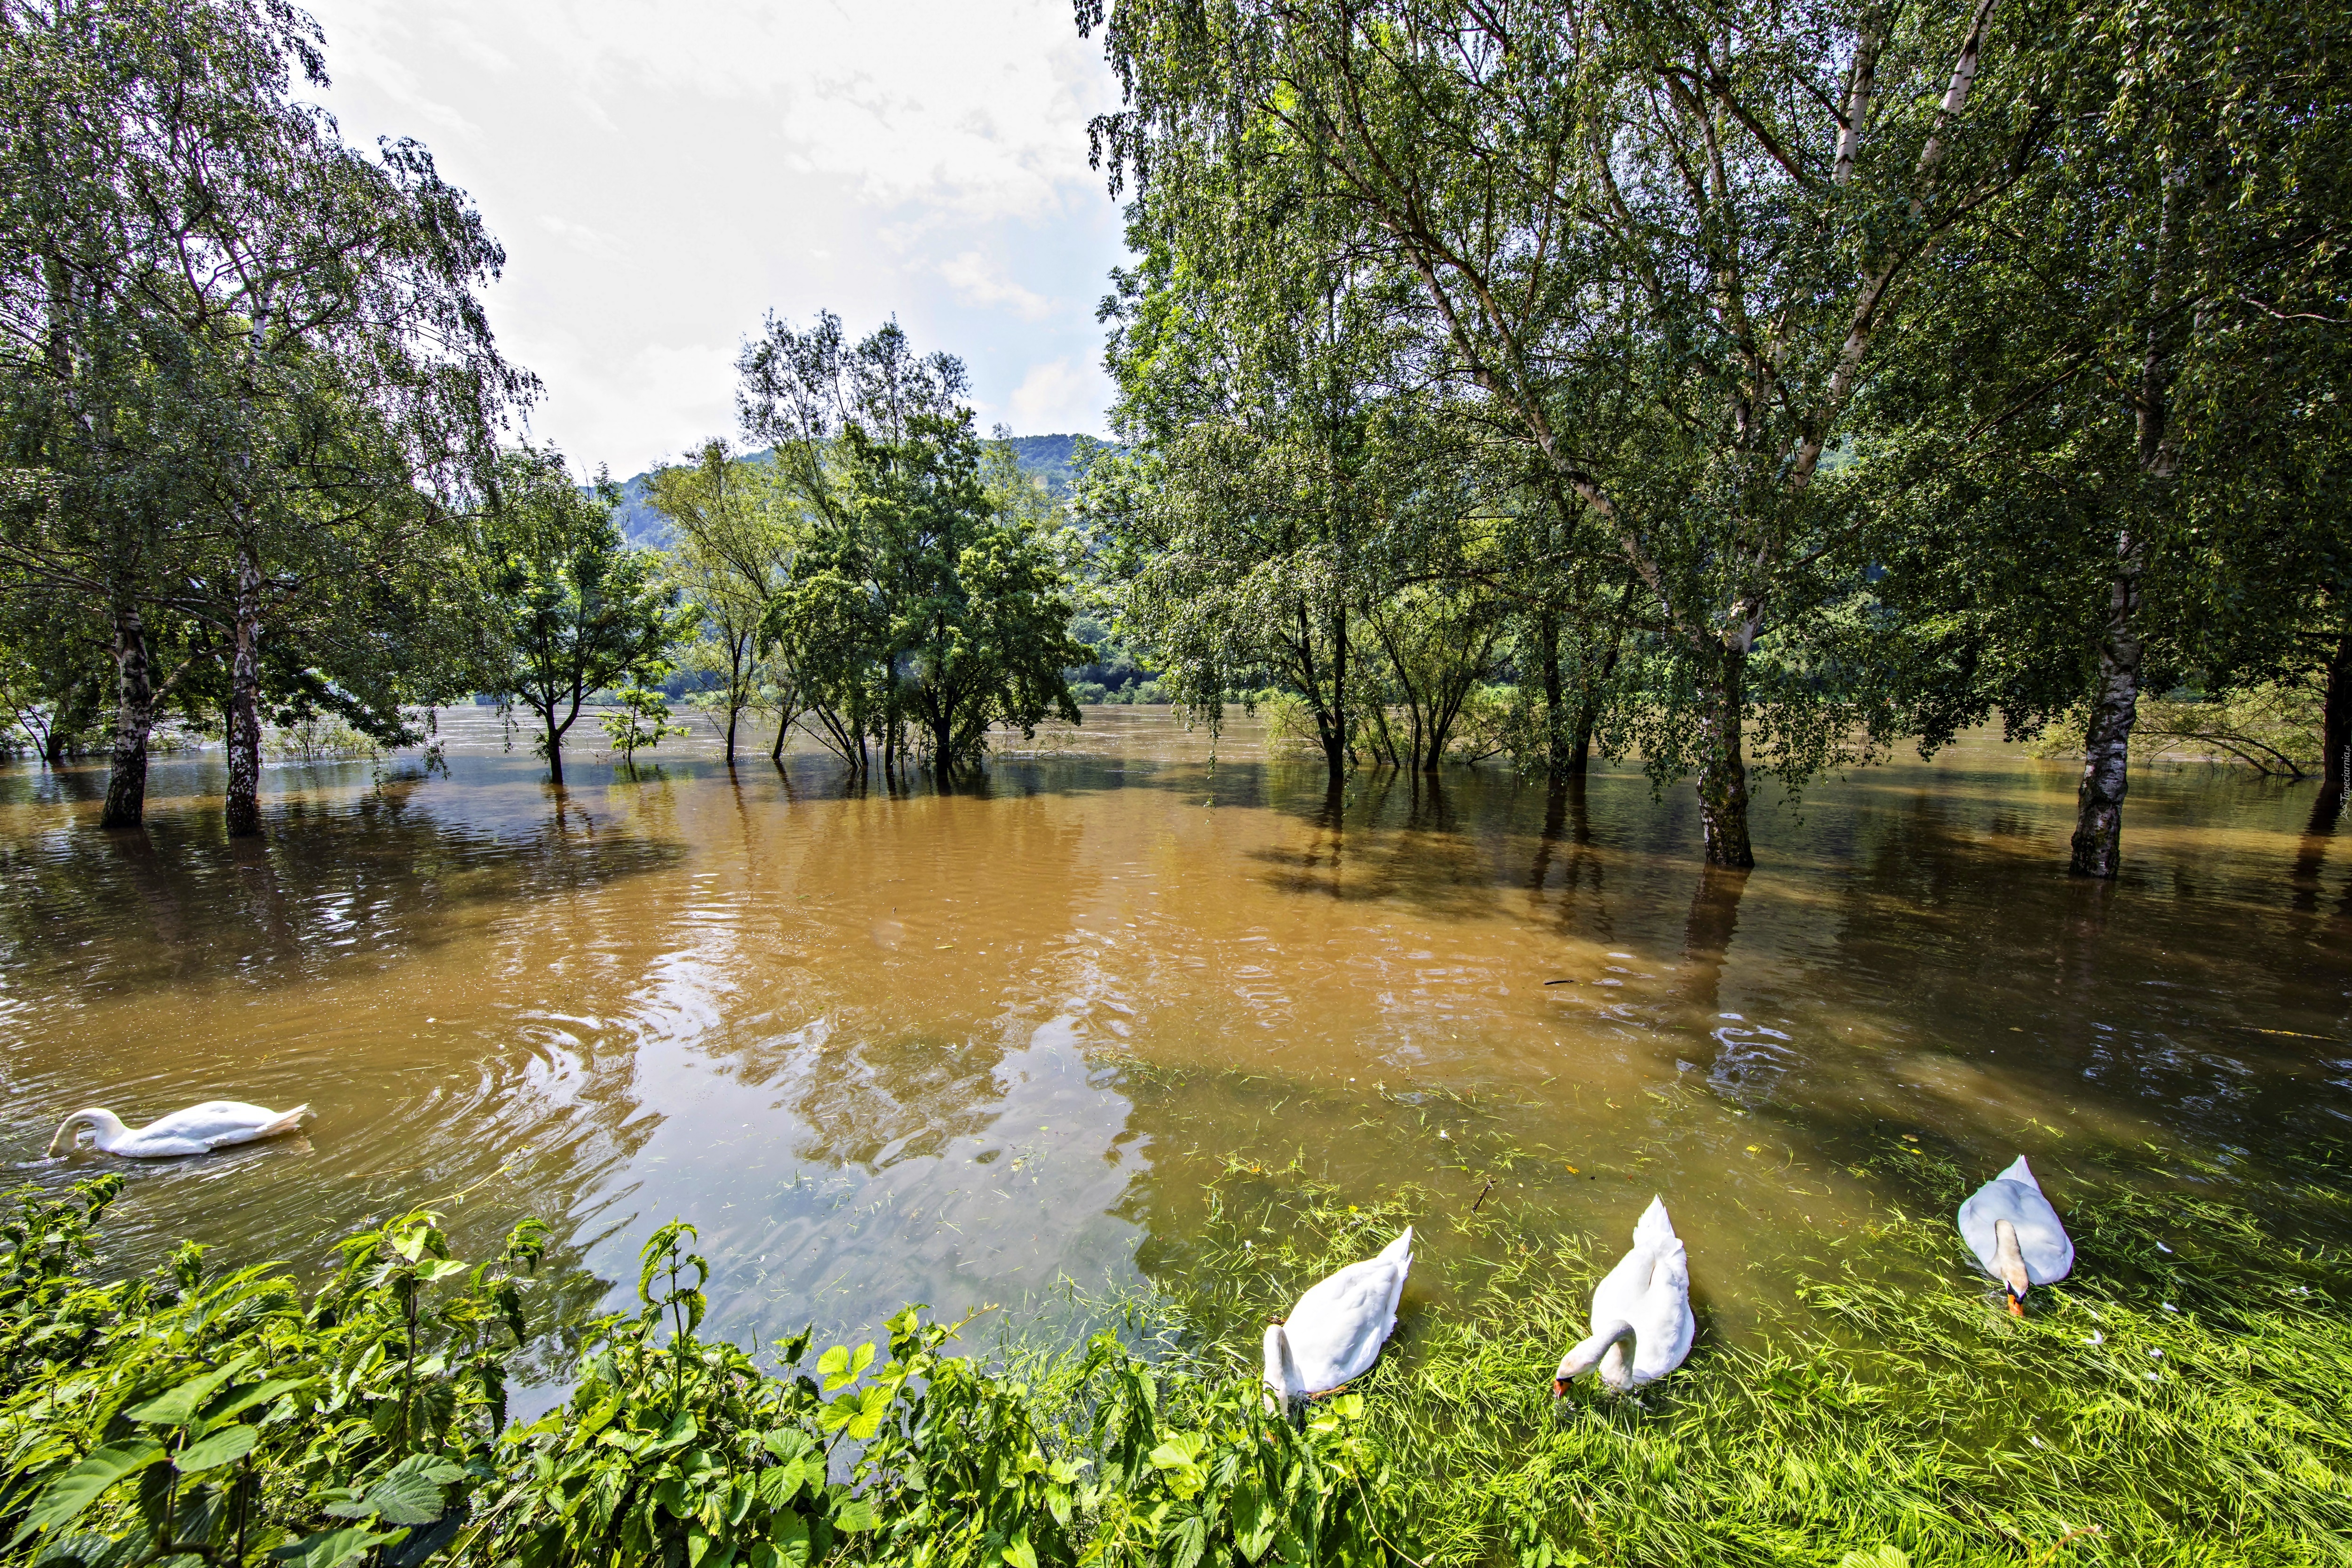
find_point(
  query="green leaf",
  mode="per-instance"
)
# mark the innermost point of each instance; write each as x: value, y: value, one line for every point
x: 261, y: 1393
x: 1876, y: 1557
x: 787, y: 1442
x: 1019, y: 1553
x: 853, y: 1515
x: 778, y: 1484
x: 680, y: 1431
x: 80, y: 1486
x: 411, y: 1493
x: 224, y: 1447
x: 176, y: 1405
x: 840, y: 1368
x: 1254, y: 1518
x: 870, y: 1409
x: 330, y: 1548
x: 790, y: 1532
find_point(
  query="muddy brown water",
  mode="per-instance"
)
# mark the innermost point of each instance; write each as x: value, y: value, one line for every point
x: 968, y: 1047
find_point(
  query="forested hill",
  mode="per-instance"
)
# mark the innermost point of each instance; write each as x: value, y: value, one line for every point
x: 1046, y: 457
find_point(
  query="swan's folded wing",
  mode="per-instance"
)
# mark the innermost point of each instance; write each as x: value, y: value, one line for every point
x: 1339, y: 1326
x: 2049, y: 1252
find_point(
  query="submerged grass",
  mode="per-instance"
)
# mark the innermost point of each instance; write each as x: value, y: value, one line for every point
x: 2185, y: 1398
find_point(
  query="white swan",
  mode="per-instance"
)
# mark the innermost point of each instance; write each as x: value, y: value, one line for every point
x: 199, y: 1130
x: 1338, y: 1327
x: 1646, y: 1299
x: 2015, y: 1232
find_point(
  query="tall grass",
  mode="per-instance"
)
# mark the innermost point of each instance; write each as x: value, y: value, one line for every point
x: 2185, y: 1398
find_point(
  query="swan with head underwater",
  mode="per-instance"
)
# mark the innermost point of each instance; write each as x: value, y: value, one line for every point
x: 2016, y: 1234
x: 1336, y: 1331
x: 1641, y: 1324
x: 198, y: 1130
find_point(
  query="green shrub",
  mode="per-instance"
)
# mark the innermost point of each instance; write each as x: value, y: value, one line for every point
x: 185, y: 1419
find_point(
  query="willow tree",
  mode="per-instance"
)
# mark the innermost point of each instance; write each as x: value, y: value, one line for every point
x: 1663, y: 243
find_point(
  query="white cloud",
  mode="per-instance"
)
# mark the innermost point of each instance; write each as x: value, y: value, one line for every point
x: 662, y: 174
x: 1063, y: 394
x: 977, y: 281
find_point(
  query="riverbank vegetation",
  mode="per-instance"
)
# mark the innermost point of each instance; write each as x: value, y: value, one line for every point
x: 2181, y: 1400
x: 1733, y: 388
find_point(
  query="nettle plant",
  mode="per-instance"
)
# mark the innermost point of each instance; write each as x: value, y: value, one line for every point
x: 221, y: 1420
x: 217, y: 1417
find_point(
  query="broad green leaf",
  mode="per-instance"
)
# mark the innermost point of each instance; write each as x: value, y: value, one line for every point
x: 681, y: 1431
x: 1254, y: 1518
x: 330, y: 1548
x: 790, y: 1532
x: 412, y: 1492
x: 224, y: 1447
x: 80, y: 1486
x: 179, y: 1404
x: 853, y: 1515
x: 871, y: 1408
x: 1019, y: 1553
x: 243, y: 1399
x: 787, y: 1442
x: 1192, y: 1537
x: 1876, y: 1557
x: 778, y: 1484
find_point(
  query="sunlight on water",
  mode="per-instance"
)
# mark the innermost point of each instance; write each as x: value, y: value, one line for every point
x: 960, y: 1049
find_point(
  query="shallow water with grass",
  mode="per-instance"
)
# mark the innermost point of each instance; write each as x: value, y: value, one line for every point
x: 1132, y: 1021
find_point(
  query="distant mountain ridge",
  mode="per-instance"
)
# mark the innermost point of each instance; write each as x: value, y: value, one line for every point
x: 1046, y: 458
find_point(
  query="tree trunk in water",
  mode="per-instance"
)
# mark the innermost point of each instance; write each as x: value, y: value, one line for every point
x: 555, y: 754
x: 2107, y: 744
x: 242, y: 809
x: 1578, y: 745
x: 2335, y: 739
x: 1723, y: 772
x: 1557, y: 761
x: 783, y: 724
x: 126, y: 779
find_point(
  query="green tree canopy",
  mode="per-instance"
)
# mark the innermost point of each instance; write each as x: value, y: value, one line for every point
x: 580, y: 609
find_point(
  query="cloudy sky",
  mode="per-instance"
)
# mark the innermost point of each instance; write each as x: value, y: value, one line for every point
x: 663, y: 173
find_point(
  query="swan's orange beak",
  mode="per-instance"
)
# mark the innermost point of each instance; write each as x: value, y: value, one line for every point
x: 2016, y: 1307
x: 1559, y: 1387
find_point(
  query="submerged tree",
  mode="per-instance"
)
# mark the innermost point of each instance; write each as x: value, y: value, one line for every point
x: 924, y: 606
x: 580, y: 609
x: 1659, y: 246
x: 244, y: 348
x: 736, y: 539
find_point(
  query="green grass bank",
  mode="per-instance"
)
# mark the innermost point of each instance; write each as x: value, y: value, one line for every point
x: 2185, y: 1399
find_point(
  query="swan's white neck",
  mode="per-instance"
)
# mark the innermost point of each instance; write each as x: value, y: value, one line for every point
x: 1587, y: 1354
x: 1282, y: 1379
x: 108, y: 1126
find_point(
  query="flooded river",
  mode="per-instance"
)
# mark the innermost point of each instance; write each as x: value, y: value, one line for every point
x: 964, y: 1048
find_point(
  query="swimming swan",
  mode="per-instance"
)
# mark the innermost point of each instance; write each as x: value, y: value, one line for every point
x: 2015, y: 1232
x: 1338, y: 1327
x: 1646, y: 1299
x: 199, y: 1130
